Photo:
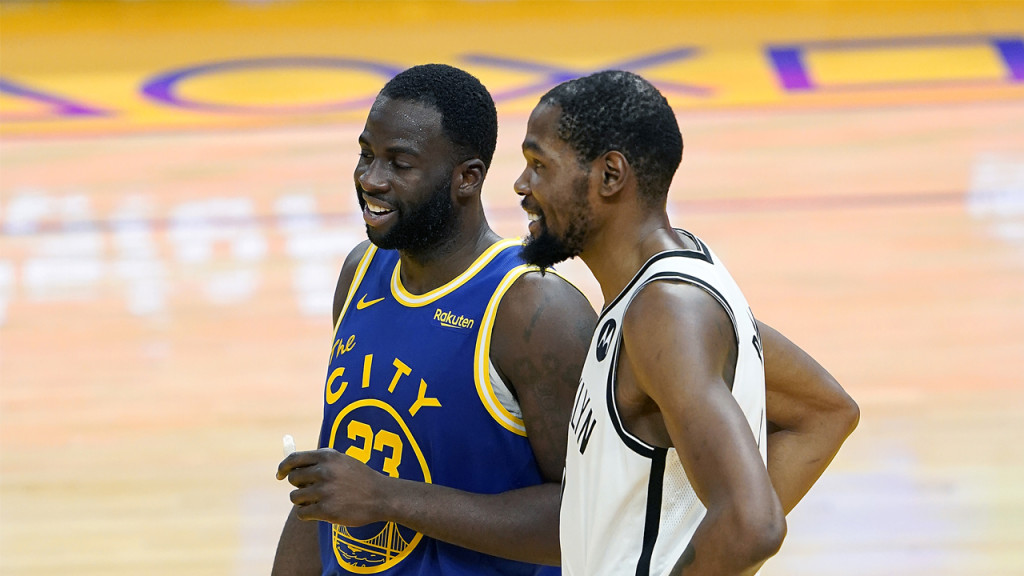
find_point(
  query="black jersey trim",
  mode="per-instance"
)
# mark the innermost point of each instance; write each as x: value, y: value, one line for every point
x: 702, y: 247
x: 635, y: 444
x: 632, y: 442
x: 652, y: 517
x: 643, y: 269
x: 683, y: 277
x: 702, y: 254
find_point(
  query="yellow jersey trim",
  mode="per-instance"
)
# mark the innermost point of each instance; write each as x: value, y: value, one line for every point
x: 364, y: 264
x: 406, y: 298
x: 482, y: 357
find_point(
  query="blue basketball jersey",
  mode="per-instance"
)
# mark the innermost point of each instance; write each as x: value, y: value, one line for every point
x: 411, y: 392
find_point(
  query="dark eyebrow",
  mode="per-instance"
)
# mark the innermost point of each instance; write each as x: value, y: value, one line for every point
x: 403, y: 150
x: 532, y: 146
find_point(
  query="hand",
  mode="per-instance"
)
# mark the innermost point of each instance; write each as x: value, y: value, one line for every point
x: 333, y: 487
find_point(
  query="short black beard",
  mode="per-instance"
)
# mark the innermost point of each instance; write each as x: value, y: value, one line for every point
x: 424, y: 227
x: 546, y: 250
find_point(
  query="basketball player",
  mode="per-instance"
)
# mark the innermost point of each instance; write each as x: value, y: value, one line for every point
x: 666, y: 464
x: 454, y: 367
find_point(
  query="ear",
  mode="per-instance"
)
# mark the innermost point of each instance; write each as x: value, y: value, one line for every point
x: 615, y: 171
x: 468, y: 178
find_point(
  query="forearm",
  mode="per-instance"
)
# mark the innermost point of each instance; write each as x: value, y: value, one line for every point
x: 797, y: 457
x: 520, y: 524
x: 809, y: 413
x: 803, y: 439
x: 724, y: 545
x: 298, y: 550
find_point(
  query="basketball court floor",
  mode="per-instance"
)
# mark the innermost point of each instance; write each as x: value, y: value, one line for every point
x: 176, y: 200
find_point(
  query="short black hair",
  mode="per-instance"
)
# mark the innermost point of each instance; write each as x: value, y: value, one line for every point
x: 616, y: 110
x: 468, y: 116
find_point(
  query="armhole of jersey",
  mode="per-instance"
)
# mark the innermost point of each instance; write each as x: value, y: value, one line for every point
x: 364, y: 264
x: 702, y: 284
x: 636, y: 444
x: 632, y: 442
x: 494, y: 393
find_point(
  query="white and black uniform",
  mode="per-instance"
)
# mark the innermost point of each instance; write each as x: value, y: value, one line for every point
x: 627, y: 506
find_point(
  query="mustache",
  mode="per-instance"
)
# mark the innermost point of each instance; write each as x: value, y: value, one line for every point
x: 523, y: 204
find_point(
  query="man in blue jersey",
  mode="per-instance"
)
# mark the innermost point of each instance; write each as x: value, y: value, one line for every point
x: 666, y: 471
x: 454, y: 367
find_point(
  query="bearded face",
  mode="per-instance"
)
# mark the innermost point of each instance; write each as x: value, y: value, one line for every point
x: 548, y: 247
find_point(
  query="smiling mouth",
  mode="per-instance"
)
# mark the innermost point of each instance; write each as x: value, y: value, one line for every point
x: 375, y: 208
x: 536, y: 223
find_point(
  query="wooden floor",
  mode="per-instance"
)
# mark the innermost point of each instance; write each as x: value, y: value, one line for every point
x: 165, y: 275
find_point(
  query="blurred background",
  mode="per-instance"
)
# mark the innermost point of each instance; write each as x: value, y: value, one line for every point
x: 176, y: 200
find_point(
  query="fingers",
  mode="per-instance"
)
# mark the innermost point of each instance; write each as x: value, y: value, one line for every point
x: 311, y: 511
x: 307, y: 504
x: 305, y: 476
x: 297, y: 460
x: 303, y: 497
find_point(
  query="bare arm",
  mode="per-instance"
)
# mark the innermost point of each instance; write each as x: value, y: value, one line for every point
x: 809, y: 414
x: 678, y: 343
x: 298, y: 550
x: 540, y: 339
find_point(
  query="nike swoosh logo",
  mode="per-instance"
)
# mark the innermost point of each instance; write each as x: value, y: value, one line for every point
x: 364, y: 304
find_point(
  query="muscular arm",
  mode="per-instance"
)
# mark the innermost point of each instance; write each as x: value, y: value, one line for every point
x: 539, y: 342
x: 678, y: 344
x: 298, y: 549
x: 809, y: 417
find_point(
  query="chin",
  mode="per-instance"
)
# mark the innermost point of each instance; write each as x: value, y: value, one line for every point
x: 545, y: 251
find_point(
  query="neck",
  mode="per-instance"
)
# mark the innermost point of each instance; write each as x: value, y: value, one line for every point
x: 617, y: 252
x: 431, y: 268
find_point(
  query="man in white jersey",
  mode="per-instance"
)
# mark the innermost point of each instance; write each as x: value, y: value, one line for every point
x: 666, y: 461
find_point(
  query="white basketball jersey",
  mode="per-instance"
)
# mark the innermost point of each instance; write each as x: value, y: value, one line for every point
x: 627, y: 506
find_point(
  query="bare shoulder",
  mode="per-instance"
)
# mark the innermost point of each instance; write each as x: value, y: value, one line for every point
x: 345, y: 277
x: 671, y: 307
x: 542, y: 319
x: 676, y: 327
x: 536, y: 299
x: 538, y: 344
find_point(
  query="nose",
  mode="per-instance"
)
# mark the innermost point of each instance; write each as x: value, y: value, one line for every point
x: 522, y: 186
x: 371, y: 178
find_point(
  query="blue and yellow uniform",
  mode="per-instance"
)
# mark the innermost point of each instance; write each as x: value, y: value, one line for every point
x: 412, y: 393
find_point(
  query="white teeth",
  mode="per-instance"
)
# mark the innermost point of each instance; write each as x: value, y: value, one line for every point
x: 533, y: 217
x: 376, y: 208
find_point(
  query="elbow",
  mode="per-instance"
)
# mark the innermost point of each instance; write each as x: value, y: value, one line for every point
x: 760, y: 535
x: 847, y: 414
x: 840, y: 410
x: 770, y: 536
